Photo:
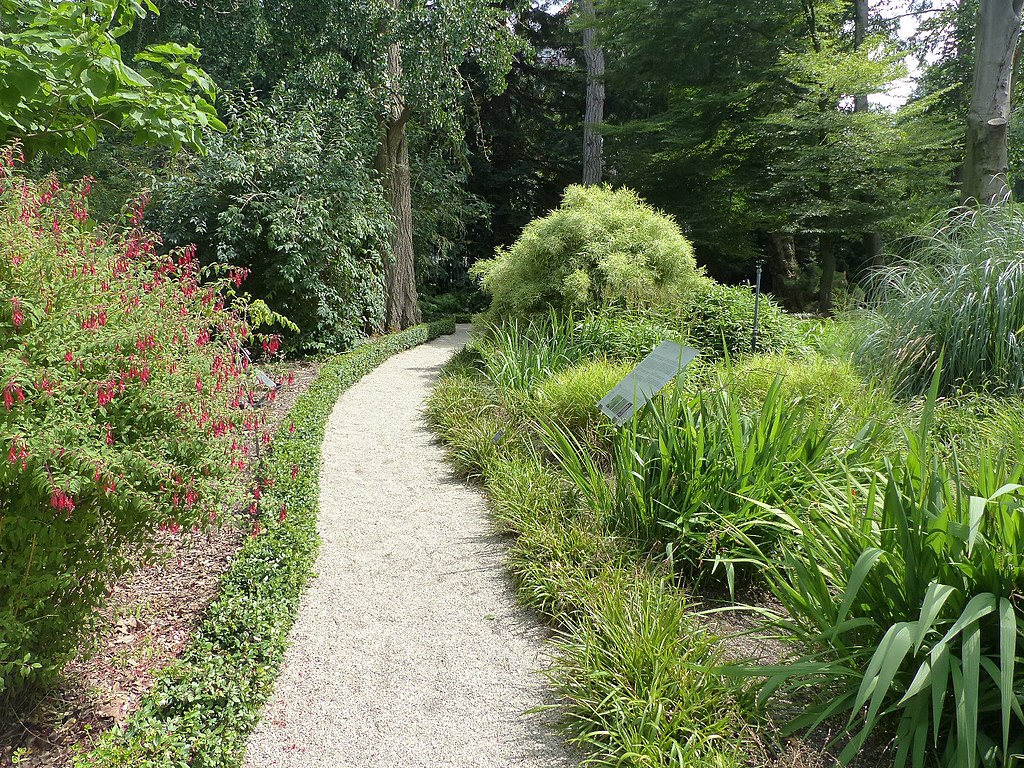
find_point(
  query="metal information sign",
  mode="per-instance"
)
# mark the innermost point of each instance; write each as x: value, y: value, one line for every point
x: 645, y: 381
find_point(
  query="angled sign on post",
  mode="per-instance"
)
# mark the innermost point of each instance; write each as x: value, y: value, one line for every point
x: 645, y: 381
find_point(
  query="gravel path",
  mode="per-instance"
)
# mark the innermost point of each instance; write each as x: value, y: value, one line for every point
x: 409, y: 650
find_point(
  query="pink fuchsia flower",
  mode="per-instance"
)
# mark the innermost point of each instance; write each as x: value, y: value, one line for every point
x: 17, y: 316
x: 62, y: 501
x: 12, y: 392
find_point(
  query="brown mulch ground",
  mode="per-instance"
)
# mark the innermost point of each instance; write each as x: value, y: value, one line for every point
x: 146, y: 625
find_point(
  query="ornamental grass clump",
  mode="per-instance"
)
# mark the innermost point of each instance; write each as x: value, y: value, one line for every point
x: 901, y: 597
x: 960, y: 294
x: 122, y: 394
x: 601, y: 247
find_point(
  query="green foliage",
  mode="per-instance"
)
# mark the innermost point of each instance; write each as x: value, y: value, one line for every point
x: 622, y: 335
x: 62, y: 80
x: 570, y: 397
x: 959, y: 295
x: 601, y: 247
x: 122, y: 385
x: 517, y: 355
x: 462, y: 304
x: 524, y: 141
x: 711, y: 315
x: 287, y: 194
x: 737, y: 119
x: 694, y: 468
x: 203, y: 708
x: 631, y: 669
x: 903, y: 591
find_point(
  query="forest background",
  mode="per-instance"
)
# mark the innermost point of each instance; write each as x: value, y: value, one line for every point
x: 372, y: 151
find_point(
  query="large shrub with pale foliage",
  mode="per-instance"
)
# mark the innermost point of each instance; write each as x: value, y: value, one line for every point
x: 601, y: 247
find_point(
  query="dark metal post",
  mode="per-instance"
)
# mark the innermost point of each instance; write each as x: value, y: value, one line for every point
x: 757, y: 304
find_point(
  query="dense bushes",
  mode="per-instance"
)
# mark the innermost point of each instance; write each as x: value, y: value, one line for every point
x: 286, y: 194
x: 626, y: 275
x: 601, y: 247
x: 122, y: 386
x: 714, y: 318
x: 960, y: 296
x: 885, y: 532
x: 632, y: 670
x: 203, y: 707
x: 902, y: 592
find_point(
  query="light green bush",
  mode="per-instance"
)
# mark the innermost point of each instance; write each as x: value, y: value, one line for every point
x: 600, y: 247
x: 817, y: 381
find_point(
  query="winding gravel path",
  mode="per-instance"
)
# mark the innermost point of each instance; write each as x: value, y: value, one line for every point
x: 409, y: 650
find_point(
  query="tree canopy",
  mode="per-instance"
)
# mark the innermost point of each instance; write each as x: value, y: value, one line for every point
x: 63, y: 80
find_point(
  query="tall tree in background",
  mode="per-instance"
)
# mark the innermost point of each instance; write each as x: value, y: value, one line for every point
x: 426, y: 47
x: 593, y: 53
x: 393, y: 165
x: 987, y: 161
x: 524, y: 140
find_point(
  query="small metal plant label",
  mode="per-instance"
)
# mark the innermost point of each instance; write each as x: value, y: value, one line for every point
x: 642, y: 383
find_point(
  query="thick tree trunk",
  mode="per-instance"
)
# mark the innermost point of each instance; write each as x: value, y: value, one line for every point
x: 393, y: 165
x: 828, y: 274
x: 984, y: 176
x: 593, y: 142
x: 784, y: 269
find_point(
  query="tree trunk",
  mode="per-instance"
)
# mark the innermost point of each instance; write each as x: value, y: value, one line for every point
x: 393, y: 165
x: 784, y: 269
x: 593, y: 141
x: 873, y: 239
x: 984, y: 179
x: 860, y: 31
x: 827, y: 247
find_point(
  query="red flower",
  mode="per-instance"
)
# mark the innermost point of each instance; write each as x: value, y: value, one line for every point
x: 60, y: 500
x: 17, y: 317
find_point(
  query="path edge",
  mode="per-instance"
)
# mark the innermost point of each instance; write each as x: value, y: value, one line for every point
x: 204, y: 706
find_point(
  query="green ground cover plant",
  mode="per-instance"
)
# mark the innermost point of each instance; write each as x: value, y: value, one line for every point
x: 203, y: 707
x: 885, y: 528
x: 633, y: 671
x: 122, y: 384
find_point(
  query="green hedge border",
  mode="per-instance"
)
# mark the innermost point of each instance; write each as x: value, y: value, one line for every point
x: 204, y: 706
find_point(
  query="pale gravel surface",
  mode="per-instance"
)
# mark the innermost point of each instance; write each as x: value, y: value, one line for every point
x: 409, y: 650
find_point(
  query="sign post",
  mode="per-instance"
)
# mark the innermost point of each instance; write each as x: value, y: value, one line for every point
x: 645, y: 381
x: 757, y: 304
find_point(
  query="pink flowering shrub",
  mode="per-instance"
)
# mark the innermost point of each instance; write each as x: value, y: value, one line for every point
x: 122, y: 410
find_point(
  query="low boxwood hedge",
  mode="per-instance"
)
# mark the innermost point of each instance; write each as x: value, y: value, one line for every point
x: 203, y: 707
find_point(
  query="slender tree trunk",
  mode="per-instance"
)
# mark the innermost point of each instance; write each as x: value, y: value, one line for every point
x: 984, y: 179
x: 393, y: 165
x: 860, y: 31
x: 872, y: 239
x: 827, y: 249
x: 594, y: 54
